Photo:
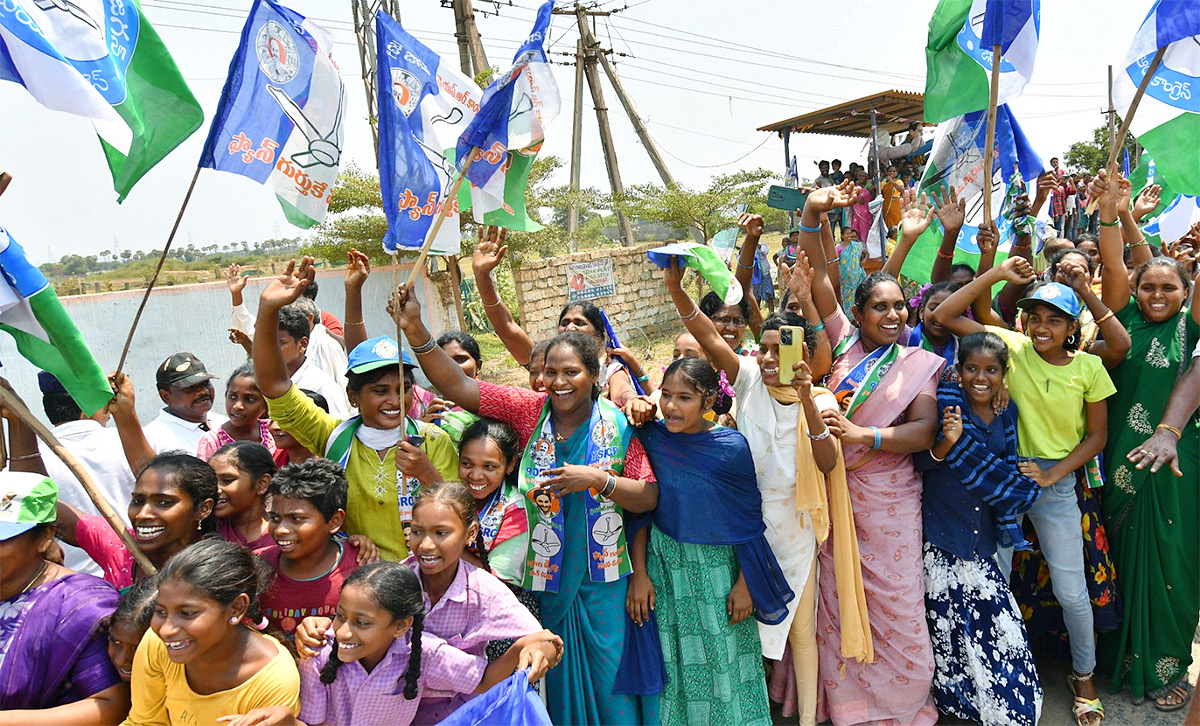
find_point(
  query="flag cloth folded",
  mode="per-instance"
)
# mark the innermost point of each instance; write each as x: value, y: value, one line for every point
x: 45, y: 334
x: 508, y: 132
x: 424, y: 105
x: 1175, y: 221
x: 1167, y: 122
x: 702, y: 259
x: 957, y: 160
x: 280, y: 117
x: 958, y: 54
x: 102, y: 61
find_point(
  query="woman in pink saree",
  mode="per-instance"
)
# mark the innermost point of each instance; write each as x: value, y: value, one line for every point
x: 875, y: 659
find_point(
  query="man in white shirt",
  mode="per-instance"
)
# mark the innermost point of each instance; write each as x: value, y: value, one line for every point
x: 97, y: 448
x: 294, y: 330
x: 185, y: 386
x: 323, y: 350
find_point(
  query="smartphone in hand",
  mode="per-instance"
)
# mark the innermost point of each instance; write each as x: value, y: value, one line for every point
x: 791, y: 351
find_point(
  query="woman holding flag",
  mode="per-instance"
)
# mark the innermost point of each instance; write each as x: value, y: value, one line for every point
x: 581, y: 469
x: 887, y: 396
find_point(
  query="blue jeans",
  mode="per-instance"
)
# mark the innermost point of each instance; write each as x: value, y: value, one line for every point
x: 1059, y: 526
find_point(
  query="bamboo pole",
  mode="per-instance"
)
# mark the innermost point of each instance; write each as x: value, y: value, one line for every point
x: 990, y: 135
x: 15, y: 405
x: 1119, y: 140
x: 154, y: 278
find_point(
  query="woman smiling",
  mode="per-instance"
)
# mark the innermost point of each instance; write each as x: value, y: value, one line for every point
x: 579, y: 448
x: 887, y: 410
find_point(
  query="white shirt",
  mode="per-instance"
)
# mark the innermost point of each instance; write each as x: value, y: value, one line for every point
x: 327, y: 354
x: 770, y: 430
x: 309, y: 376
x: 1196, y: 352
x: 99, y: 450
x: 168, y: 432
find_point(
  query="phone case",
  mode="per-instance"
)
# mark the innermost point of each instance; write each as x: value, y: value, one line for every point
x: 791, y: 351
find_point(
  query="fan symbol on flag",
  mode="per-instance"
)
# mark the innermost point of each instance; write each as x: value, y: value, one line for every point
x: 544, y: 541
x: 607, y: 529
x: 322, y: 149
x: 67, y: 7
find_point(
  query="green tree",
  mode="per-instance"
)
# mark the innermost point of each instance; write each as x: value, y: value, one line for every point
x: 1091, y: 156
x: 709, y: 210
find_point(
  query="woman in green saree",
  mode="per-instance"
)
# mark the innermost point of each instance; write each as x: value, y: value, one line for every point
x: 1152, y: 515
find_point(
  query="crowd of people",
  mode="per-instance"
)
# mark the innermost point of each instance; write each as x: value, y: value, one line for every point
x: 846, y: 534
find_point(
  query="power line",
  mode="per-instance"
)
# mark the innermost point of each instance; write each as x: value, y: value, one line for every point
x: 710, y: 166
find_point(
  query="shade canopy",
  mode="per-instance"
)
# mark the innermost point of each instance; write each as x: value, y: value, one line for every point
x: 894, y: 111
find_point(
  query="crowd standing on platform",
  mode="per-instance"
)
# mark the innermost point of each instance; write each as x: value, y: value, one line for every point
x: 845, y: 531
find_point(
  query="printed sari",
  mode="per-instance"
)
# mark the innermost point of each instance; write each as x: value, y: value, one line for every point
x: 885, y: 489
x: 1152, y: 517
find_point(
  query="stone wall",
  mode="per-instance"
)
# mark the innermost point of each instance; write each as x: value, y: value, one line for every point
x: 639, y: 308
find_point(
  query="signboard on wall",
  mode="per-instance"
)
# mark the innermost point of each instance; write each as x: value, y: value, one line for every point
x: 590, y: 280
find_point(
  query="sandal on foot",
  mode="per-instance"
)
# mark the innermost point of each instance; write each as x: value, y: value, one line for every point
x: 1080, y: 706
x: 1184, y: 686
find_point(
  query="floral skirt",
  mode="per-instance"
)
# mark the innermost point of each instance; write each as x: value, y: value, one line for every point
x: 984, y: 667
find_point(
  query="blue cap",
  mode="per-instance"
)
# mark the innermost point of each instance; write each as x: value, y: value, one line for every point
x: 376, y: 353
x: 1054, y: 294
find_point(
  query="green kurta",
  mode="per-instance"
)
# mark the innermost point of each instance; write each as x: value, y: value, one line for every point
x: 714, y: 669
x: 1152, y: 518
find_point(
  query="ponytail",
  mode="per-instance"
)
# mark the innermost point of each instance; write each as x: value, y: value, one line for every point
x: 329, y: 672
x: 413, y: 674
x: 481, y: 549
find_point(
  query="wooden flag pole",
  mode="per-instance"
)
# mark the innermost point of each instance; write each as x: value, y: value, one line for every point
x: 15, y: 405
x: 990, y: 135
x: 1118, y: 141
x: 154, y: 278
x: 447, y: 205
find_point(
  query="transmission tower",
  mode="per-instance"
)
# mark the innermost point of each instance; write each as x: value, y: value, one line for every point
x: 364, y: 30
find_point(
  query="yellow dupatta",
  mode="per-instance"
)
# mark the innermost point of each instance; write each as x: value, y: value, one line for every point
x: 835, y: 512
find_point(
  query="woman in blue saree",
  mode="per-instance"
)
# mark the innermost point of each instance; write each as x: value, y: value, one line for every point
x: 581, y: 469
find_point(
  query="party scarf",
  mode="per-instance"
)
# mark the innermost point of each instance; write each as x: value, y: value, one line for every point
x: 337, y: 448
x: 836, y: 513
x: 608, y: 560
x: 864, y: 378
x: 917, y: 337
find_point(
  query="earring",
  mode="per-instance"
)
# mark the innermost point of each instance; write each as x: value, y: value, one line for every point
x: 233, y: 621
x: 198, y: 526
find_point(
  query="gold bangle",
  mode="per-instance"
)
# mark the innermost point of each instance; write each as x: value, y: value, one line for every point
x: 356, y: 322
x: 1168, y: 427
x: 1143, y: 242
x: 1104, y: 317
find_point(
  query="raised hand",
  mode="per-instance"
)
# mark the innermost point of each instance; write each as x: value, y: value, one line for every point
x: 829, y: 198
x: 234, y: 280
x: 673, y: 273
x: 1124, y: 191
x: 288, y: 286
x: 753, y: 224
x: 987, y: 238
x: 951, y: 210
x: 1146, y: 202
x: 799, y: 277
x: 489, y: 252
x: 1017, y: 270
x: 408, y: 312
x: 916, y: 214
x: 359, y: 269
x: 1106, y: 193
x: 802, y: 379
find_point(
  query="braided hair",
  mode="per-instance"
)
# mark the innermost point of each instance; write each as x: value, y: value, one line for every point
x: 704, y: 379
x: 456, y: 496
x: 395, y: 588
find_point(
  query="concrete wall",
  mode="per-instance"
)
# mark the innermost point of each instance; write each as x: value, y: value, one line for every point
x: 640, y: 307
x: 196, y: 318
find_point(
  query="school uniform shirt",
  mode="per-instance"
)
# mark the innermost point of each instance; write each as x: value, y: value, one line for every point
x: 311, y: 378
x: 289, y: 601
x: 99, y: 450
x: 168, y: 432
x: 1056, y: 393
x: 161, y: 694
x: 372, y: 506
x: 358, y: 697
x: 476, y: 609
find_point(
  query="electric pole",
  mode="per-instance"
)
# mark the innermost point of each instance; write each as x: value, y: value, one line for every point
x: 576, y: 144
x: 471, y: 57
x: 590, y: 51
x: 364, y: 30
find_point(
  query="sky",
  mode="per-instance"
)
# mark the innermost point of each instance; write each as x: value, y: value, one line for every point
x: 702, y: 74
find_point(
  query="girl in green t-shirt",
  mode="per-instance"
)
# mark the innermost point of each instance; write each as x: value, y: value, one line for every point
x: 1063, y: 425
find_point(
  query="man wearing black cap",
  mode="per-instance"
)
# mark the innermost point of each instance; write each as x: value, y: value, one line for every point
x: 97, y: 448
x: 185, y: 386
